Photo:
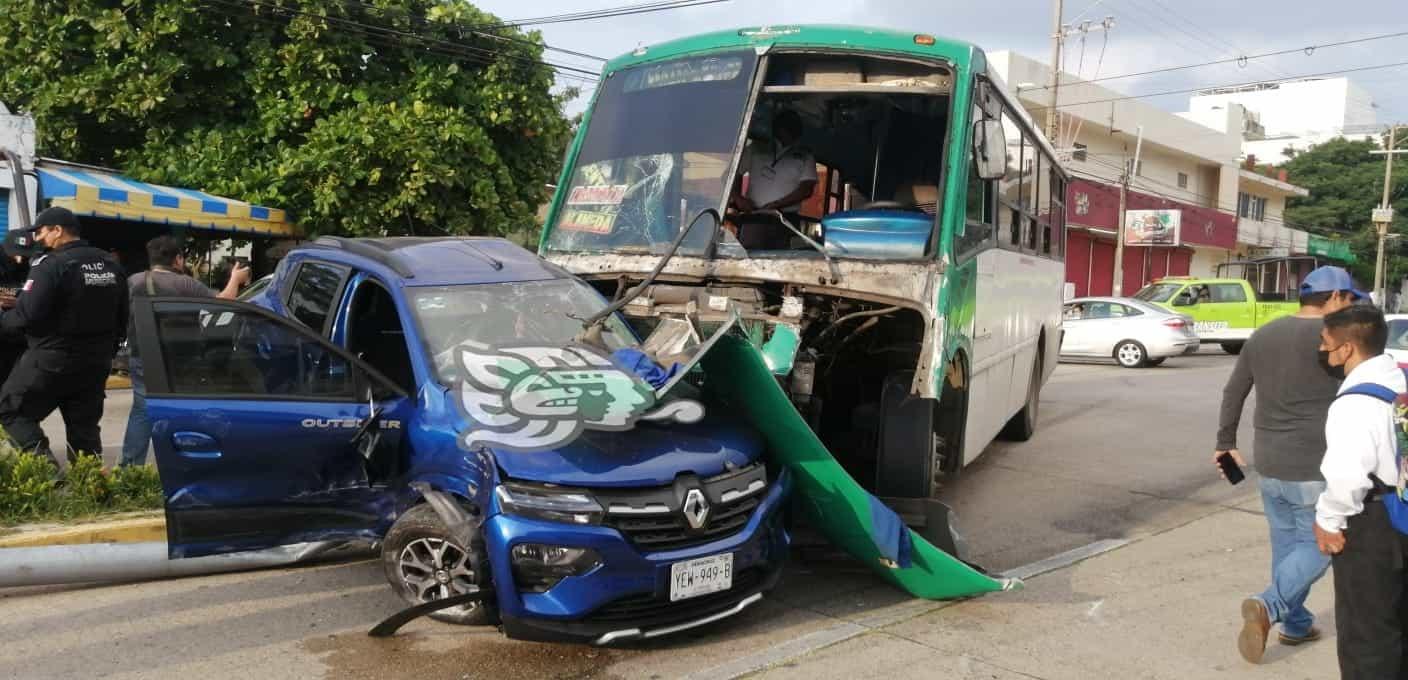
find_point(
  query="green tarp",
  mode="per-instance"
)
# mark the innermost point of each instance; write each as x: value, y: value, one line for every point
x: 830, y: 498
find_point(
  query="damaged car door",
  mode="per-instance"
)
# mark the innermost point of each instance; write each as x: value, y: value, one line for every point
x: 265, y: 434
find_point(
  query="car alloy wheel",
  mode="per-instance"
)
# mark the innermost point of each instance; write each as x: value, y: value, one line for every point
x: 433, y: 569
x: 1130, y: 354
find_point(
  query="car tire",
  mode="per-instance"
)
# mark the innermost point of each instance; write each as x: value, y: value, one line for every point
x: 1131, y: 354
x: 1155, y: 362
x: 1233, y: 348
x: 422, y: 563
x: 1023, y: 425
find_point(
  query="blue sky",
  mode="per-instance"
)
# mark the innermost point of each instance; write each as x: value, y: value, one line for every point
x: 1148, y: 34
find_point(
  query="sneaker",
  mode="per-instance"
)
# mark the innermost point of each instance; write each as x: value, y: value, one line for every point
x: 1311, y: 636
x: 1256, y: 625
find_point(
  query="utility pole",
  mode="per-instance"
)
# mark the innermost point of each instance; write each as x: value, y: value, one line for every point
x: 1058, y: 33
x: 1117, y: 286
x: 1383, y: 215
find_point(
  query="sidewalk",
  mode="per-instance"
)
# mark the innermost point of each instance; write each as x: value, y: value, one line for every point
x: 1165, y: 606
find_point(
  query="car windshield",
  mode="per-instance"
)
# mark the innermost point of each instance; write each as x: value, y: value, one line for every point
x: 656, y: 152
x: 1157, y: 292
x: 499, y: 314
x: 1398, y: 334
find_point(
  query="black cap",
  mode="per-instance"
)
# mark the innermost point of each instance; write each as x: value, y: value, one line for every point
x: 57, y: 217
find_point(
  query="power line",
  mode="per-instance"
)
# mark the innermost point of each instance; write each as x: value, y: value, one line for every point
x: 624, y: 10
x: 1203, y: 34
x: 1309, y: 50
x: 1233, y: 85
x: 445, y: 47
x: 425, y: 22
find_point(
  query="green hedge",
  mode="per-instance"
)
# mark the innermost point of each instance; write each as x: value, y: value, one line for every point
x: 32, y: 490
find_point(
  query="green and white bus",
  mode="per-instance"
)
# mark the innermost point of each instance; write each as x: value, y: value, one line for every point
x: 913, y: 306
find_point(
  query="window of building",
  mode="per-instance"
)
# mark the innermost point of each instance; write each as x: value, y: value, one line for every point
x: 1251, y: 207
x: 1080, y: 152
x: 1182, y: 180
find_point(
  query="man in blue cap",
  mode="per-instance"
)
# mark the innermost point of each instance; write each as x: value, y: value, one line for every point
x: 1293, y: 396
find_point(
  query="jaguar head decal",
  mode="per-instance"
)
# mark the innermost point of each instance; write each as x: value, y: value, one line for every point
x: 536, y: 398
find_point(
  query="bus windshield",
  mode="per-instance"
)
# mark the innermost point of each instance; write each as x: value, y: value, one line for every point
x: 639, y: 176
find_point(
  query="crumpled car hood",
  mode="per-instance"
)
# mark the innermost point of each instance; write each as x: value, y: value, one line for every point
x: 646, y: 455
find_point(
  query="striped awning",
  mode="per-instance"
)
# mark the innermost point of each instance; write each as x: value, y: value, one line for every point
x: 90, y: 192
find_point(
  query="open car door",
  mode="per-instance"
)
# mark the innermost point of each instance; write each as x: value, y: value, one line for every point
x: 265, y: 434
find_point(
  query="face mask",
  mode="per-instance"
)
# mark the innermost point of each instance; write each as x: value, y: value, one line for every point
x: 1336, y: 372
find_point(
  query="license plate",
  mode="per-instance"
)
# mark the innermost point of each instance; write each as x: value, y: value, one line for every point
x: 701, y: 576
x: 1208, y: 326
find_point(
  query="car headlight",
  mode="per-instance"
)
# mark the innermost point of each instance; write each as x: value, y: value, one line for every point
x: 538, y: 567
x: 553, y: 505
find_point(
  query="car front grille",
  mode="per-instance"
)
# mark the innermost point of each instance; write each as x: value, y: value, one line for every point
x: 671, y: 532
x: 654, y: 519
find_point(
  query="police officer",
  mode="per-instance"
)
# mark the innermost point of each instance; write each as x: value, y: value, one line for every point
x: 73, y: 311
x: 15, y: 259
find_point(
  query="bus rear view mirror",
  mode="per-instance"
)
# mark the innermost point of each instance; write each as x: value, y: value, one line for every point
x: 990, y: 148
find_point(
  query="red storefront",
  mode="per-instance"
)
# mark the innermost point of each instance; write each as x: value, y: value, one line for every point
x: 1092, y: 216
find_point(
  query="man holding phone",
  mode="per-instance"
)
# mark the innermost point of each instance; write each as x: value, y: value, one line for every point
x: 167, y: 277
x: 1293, y: 396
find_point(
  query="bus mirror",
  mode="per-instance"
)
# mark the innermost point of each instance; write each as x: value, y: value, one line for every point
x: 990, y: 149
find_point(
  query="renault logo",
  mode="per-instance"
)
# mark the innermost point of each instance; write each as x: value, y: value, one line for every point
x: 696, y: 509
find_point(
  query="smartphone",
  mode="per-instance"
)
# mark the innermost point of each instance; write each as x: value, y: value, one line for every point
x: 1230, y: 468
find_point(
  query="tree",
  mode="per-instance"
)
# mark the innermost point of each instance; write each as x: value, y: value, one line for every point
x: 1346, y: 182
x: 359, y: 118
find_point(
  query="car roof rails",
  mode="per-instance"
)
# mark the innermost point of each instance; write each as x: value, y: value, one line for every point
x: 367, y: 249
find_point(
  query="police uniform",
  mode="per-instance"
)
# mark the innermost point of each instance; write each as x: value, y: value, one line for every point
x: 18, y: 244
x: 73, y: 312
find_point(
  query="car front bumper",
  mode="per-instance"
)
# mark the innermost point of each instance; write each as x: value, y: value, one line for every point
x: 627, y: 596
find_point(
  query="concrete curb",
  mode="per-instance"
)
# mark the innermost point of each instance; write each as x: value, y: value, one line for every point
x: 127, y: 530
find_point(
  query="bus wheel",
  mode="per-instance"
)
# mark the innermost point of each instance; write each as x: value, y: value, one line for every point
x: 1023, y: 425
x: 1233, y: 348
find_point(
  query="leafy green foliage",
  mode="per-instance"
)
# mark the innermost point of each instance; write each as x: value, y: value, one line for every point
x: 1346, y: 183
x: 354, y: 131
x: 27, y: 484
x: 32, y: 490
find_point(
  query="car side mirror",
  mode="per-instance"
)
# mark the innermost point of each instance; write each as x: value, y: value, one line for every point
x: 1183, y: 300
x: 990, y: 149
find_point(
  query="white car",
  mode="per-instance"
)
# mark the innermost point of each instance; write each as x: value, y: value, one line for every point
x: 1398, y: 338
x: 1132, y: 332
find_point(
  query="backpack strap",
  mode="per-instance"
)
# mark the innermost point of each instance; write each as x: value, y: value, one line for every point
x: 1375, y: 390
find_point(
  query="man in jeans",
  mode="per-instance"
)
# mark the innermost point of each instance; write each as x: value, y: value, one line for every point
x: 1292, y: 397
x: 166, y: 278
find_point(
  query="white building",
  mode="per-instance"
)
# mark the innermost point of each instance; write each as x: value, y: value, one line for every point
x: 1295, y: 114
x: 1185, y: 164
x: 17, y: 135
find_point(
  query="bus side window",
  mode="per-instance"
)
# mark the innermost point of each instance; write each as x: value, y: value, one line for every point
x: 1009, y: 216
x: 978, y: 218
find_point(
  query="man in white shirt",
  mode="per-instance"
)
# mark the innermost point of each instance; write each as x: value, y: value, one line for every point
x: 1370, y: 557
x: 781, y: 174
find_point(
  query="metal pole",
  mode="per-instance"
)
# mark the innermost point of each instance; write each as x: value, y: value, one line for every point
x: 1383, y: 225
x: 1057, y: 34
x: 1117, y: 286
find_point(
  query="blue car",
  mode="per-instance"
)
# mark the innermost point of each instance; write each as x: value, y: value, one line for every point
x: 436, y: 395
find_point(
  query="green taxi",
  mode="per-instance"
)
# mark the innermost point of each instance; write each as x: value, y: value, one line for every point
x: 1224, y: 311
